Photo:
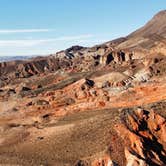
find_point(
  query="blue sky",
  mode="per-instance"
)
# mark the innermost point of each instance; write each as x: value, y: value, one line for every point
x: 40, y: 27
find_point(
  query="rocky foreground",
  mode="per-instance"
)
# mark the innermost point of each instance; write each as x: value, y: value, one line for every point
x: 99, y: 106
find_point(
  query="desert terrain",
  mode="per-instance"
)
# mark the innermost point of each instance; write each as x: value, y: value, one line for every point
x: 88, y: 106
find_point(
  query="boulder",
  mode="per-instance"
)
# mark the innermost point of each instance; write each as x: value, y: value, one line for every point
x: 25, y: 89
x: 42, y: 102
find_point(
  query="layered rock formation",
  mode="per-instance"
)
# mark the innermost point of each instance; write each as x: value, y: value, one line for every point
x: 147, y: 41
x: 144, y: 135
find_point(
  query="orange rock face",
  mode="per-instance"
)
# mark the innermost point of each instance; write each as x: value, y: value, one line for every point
x: 105, y: 161
x: 144, y: 137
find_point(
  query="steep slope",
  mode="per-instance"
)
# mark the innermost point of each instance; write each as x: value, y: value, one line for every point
x: 157, y: 25
x: 148, y: 40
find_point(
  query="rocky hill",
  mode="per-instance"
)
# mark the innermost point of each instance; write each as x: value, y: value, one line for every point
x: 98, y: 106
x: 146, y: 41
x: 157, y: 26
x: 149, y: 39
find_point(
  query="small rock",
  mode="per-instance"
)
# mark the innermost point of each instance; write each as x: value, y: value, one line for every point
x: 14, y: 109
x: 40, y: 138
x: 11, y: 91
x: 106, y: 84
x: 89, y: 83
x: 39, y: 86
x: 29, y: 104
x: 70, y: 101
x: 42, y: 102
x: 25, y: 89
x: 81, y: 163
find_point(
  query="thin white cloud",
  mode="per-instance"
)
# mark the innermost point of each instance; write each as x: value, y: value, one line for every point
x: 19, y: 43
x: 34, y: 42
x: 10, y: 31
x: 69, y: 38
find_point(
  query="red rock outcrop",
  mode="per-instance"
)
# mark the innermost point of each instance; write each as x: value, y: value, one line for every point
x: 144, y: 135
x: 104, y: 161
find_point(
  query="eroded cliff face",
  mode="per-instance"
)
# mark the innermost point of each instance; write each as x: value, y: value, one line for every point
x: 144, y: 140
x: 144, y: 135
x: 28, y: 68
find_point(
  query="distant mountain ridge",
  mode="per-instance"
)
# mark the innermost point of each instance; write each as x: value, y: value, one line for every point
x: 149, y: 39
x: 146, y: 41
x: 157, y: 25
x: 13, y: 58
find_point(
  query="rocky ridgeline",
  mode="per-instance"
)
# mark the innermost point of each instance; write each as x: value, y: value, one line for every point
x: 28, y: 68
x: 73, y: 59
x: 148, y: 40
